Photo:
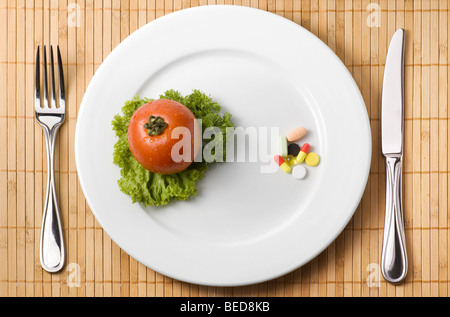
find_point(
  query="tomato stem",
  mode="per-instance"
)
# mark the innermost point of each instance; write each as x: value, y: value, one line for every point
x: 155, y: 125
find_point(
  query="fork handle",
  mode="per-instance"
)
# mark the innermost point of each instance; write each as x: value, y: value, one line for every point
x: 51, y: 245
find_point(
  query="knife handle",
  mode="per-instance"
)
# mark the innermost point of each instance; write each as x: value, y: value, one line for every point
x: 394, y: 263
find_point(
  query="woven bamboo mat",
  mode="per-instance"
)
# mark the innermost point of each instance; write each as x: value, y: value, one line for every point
x: 357, y: 30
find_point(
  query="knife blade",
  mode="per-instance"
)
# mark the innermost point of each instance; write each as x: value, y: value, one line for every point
x: 392, y: 97
x: 394, y: 261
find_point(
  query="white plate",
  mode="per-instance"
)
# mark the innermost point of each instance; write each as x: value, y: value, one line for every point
x: 244, y: 226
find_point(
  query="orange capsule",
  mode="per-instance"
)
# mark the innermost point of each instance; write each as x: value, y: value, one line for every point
x: 296, y: 134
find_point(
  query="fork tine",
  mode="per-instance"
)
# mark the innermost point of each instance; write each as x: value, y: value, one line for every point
x: 62, y: 91
x: 45, y: 79
x: 37, y: 81
x: 52, y: 78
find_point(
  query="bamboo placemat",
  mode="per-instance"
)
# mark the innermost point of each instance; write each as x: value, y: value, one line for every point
x: 358, y: 31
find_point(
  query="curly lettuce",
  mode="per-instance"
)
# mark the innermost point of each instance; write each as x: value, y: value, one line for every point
x: 152, y: 189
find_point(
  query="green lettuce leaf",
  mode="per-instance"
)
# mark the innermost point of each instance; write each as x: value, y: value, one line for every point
x: 152, y: 189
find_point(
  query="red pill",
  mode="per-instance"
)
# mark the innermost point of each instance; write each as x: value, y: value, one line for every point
x: 302, y: 155
x: 305, y: 148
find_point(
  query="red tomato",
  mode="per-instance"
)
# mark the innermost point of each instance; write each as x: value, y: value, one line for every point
x: 154, y: 152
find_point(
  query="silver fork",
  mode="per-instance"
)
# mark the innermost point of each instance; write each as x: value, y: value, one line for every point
x: 50, y: 117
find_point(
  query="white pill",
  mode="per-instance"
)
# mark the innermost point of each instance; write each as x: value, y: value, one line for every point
x: 299, y: 171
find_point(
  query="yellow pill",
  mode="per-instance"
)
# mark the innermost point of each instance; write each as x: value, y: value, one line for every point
x: 282, y: 163
x: 286, y: 168
x: 303, y: 152
x: 300, y: 157
x: 290, y: 160
x: 312, y: 159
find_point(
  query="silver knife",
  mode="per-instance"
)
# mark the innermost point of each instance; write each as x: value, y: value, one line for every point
x: 394, y: 263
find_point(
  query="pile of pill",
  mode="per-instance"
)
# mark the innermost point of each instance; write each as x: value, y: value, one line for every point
x: 291, y: 155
